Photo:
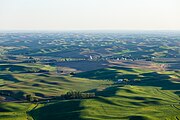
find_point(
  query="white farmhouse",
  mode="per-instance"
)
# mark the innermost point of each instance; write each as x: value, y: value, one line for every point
x: 119, y: 81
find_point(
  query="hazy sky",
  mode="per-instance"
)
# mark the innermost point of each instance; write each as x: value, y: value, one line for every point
x: 89, y: 14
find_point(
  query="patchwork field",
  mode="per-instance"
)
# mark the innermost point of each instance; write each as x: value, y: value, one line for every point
x: 90, y: 75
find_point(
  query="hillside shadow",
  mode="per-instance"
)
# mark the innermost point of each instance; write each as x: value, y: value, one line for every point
x: 153, y: 79
x: 9, y: 77
x: 47, y: 82
x: 135, y: 117
x: 17, y: 94
x: 159, y: 80
x: 146, y: 79
x: 64, y: 110
x: 12, y: 68
x: 111, y: 73
x: 107, y: 92
x: 20, y: 69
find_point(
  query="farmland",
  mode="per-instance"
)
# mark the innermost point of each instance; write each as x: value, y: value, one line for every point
x: 129, y: 75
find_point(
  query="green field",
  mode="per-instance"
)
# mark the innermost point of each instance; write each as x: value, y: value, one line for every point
x: 146, y: 95
x: 156, y: 96
x: 43, y: 85
x: 90, y: 75
x: 128, y: 102
x: 15, y: 111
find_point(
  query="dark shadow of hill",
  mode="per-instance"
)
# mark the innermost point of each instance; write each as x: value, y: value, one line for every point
x: 17, y: 94
x: 8, y: 77
x: 108, y: 92
x: 111, y: 73
x: 64, y: 110
x: 12, y: 68
x: 159, y: 80
x: 20, y: 69
x: 135, y: 117
x: 147, y: 79
x: 177, y: 92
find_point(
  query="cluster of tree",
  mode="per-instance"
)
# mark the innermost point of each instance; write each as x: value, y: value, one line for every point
x: 30, y: 60
x: 30, y: 98
x: 77, y: 95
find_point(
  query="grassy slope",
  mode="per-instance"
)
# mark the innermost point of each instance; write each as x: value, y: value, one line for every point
x: 128, y: 102
x: 152, y: 98
x: 50, y: 85
x: 41, y: 85
x: 132, y: 102
x: 15, y: 111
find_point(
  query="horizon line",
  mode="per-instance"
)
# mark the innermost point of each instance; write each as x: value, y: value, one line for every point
x: 61, y: 30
